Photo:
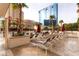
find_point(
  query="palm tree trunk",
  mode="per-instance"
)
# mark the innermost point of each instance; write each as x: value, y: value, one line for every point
x: 20, y: 15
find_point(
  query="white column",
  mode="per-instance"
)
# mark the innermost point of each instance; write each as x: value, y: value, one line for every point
x: 6, y: 33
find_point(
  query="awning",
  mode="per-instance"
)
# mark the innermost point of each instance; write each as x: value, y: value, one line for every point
x: 3, y: 9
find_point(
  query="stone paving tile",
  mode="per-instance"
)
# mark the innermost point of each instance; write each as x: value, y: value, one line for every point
x: 2, y: 49
x: 68, y: 46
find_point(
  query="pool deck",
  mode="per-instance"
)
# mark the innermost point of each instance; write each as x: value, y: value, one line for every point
x: 69, y: 46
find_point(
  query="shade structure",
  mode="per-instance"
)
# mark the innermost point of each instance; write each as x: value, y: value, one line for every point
x: 3, y: 9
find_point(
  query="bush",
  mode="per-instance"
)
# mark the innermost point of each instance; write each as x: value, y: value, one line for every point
x: 71, y: 27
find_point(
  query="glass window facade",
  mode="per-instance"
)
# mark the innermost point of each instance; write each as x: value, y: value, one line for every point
x: 45, y: 13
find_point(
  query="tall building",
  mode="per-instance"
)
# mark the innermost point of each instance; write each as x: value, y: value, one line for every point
x: 44, y: 14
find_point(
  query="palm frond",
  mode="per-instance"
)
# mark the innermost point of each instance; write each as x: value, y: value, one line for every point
x: 61, y: 21
x: 52, y: 16
x: 18, y: 5
x: 24, y: 5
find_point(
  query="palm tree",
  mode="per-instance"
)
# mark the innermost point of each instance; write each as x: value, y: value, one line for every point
x: 78, y: 4
x: 61, y: 21
x: 19, y: 6
x: 78, y: 23
x: 52, y: 17
x: 78, y: 7
x: 78, y: 15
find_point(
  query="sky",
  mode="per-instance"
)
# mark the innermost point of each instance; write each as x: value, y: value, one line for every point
x: 66, y: 11
x: 32, y: 12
